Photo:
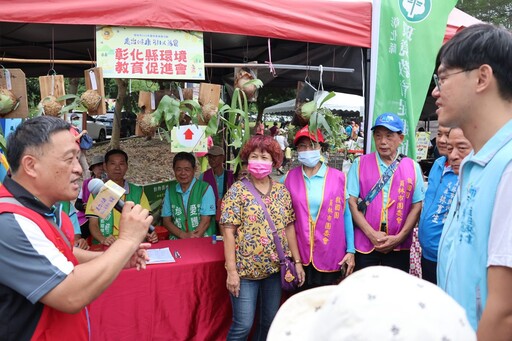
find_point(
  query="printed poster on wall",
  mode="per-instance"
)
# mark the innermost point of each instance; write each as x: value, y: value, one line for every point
x: 422, y: 144
x: 149, y: 53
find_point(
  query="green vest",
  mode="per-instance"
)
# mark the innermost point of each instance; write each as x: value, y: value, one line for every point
x: 107, y: 224
x: 189, y: 220
x: 66, y: 206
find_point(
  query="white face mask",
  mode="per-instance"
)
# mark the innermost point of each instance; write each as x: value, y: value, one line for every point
x: 310, y: 158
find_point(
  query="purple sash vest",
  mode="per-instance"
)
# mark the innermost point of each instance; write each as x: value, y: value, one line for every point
x: 209, y: 177
x: 85, y: 196
x: 399, y: 200
x: 322, y: 243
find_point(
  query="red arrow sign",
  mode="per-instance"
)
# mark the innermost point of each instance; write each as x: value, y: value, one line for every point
x: 188, y: 134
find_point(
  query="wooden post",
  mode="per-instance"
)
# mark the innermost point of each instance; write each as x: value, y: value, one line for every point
x: 52, y: 86
x: 209, y: 94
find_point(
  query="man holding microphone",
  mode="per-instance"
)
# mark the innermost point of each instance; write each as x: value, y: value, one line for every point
x: 45, y: 282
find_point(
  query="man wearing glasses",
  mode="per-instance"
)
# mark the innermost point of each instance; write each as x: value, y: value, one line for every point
x: 474, y: 92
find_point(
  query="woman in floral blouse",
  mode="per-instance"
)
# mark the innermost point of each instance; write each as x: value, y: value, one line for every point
x: 252, y: 262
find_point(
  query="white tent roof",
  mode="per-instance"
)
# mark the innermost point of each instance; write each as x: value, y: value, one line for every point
x: 342, y: 101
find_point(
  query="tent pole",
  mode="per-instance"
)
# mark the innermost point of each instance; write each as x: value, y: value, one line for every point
x: 47, y: 61
x: 367, y: 124
x: 207, y: 65
x: 279, y: 66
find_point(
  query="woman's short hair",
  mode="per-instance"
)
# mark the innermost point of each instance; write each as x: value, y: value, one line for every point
x: 266, y: 143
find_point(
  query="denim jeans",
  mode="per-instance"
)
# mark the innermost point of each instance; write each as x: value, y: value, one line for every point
x: 265, y: 292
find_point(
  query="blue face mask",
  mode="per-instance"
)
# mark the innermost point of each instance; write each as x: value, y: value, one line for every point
x: 309, y: 158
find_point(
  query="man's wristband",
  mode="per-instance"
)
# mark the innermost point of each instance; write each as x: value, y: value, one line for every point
x: 297, y: 261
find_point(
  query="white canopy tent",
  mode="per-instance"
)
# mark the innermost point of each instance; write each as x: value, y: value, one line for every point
x: 340, y: 102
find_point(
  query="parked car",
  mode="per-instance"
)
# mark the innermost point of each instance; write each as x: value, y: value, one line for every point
x: 128, y: 122
x: 95, y: 128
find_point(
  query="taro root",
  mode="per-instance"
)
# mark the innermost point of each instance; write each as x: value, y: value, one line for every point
x: 303, y: 112
x: 8, y: 102
x: 51, y: 106
x: 209, y: 110
x: 91, y: 99
x: 185, y: 118
x: 147, y: 124
x: 250, y: 91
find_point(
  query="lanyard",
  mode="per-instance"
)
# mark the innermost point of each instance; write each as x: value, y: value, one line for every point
x: 382, y: 181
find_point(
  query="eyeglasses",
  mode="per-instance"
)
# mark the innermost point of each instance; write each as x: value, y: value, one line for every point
x: 440, y: 80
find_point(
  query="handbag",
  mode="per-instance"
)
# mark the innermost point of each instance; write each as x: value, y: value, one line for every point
x: 289, y: 278
x: 362, y: 204
x: 86, y: 142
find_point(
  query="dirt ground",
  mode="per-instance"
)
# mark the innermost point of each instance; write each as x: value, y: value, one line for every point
x: 149, y: 161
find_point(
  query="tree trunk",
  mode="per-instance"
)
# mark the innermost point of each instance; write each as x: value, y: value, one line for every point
x: 73, y: 85
x: 122, y: 86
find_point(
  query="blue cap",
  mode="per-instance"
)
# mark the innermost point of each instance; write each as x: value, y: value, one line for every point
x: 390, y: 121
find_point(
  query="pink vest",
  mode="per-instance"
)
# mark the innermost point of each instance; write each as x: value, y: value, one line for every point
x: 321, y: 242
x: 399, y: 200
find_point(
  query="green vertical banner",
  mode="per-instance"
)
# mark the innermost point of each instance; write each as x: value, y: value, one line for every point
x: 406, y: 36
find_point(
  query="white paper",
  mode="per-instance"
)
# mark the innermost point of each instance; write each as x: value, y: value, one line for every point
x: 92, y: 77
x: 157, y: 256
x: 153, y: 101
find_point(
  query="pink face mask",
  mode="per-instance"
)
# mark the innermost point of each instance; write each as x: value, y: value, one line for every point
x: 259, y: 169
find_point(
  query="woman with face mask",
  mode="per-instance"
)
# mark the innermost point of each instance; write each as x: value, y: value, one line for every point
x: 252, y: 262
x: 323, y: 225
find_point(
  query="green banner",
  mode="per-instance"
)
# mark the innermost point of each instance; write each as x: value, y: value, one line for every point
x: 408, y: 35
x: 155, y: 191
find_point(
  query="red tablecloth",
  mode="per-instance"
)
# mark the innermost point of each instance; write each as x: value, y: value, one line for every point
x: 186, y: 300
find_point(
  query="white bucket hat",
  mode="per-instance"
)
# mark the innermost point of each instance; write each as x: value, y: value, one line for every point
x: 376, y: 303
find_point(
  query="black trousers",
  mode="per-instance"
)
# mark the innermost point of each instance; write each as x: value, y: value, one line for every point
x: 395, y: 259
x: 429, y: 270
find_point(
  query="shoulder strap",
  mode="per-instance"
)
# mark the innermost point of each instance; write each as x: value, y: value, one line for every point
x: 256, y: 195
x: 381, y: 182
x: 47, y: 226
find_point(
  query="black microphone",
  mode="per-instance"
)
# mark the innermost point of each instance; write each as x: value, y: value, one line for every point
x: 95, y: 185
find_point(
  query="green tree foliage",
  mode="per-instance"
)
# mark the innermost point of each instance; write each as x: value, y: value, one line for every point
x: 498, y: 12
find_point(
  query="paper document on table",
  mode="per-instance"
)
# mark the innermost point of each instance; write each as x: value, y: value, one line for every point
x: 160, y: 256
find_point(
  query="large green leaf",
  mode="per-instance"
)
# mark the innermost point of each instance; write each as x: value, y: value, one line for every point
x: 326, y: 98
x: 213, y: 126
